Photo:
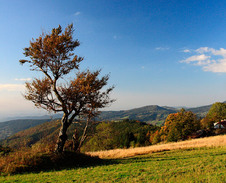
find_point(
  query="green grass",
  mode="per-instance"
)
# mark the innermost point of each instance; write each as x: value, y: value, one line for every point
x: 191, y: 165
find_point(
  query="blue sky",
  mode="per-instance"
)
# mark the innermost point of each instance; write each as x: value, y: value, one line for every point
x: 157, y: 52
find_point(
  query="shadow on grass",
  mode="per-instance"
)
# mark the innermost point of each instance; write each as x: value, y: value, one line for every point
x: 54, y: 162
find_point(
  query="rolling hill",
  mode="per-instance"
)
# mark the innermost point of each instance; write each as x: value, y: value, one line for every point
x: 9, y: 128
x: 152, y: 114
x: 31, y: 135
x: 200, y: 111
x: 45, y: 133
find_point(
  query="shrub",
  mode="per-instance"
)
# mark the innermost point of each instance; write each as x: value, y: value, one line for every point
x: 178, y: 126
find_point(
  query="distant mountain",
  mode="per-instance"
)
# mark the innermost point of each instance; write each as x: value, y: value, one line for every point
x: 9, y: 128
x: 24, y: 132
x: 153, y: 114
x: 54, y: 116
x: 200, y: 111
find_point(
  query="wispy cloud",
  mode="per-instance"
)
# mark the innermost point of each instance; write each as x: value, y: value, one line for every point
x: 197, y: 59
x: 77, y: 13
x: 11, y: 87
x: 115, y: 37
x: 204, y: 50
x: 209, y: 59
x: 162, y: 48
x: 187, y: 51
x: 22, y: 79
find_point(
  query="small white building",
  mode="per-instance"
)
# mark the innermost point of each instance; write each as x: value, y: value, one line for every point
x: 220, y: 125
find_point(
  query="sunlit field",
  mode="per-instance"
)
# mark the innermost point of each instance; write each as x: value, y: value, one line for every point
x: 195, y: 143
x: 201, y: 160
x: 190, y: 165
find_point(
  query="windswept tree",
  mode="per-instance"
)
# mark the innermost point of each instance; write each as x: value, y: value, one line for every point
x: 53, y: 55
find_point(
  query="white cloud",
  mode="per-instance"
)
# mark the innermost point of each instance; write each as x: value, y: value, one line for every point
x: 186, y: 51
x: 196, y: 58
x: 204, y: 50
x: 22, y: 79
x: 209, y: 59
x: 162, y: 48
x: 11, y: 87
x: 221, y: 52
x: 77, y: 13
x: 216, y: 66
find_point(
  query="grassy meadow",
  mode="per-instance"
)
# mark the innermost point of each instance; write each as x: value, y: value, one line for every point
x: 214, y: 141
x: 198, y: 164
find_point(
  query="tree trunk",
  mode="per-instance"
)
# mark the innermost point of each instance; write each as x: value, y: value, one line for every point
x: 62, y: 137
x: 83, y: 135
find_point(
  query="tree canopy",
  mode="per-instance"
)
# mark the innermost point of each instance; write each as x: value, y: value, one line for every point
x: 178, y: 126
x: 216, y: 113
x: 123, y: 134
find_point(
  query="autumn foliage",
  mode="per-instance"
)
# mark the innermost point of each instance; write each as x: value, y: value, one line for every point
x: 178, y: 126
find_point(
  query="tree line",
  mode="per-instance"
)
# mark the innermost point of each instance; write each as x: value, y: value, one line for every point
x: 178, y: 126
x: 185, y: 124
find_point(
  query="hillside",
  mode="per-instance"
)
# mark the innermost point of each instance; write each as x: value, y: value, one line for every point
x: 105, y: 135
x: 200, y: 111
x: 9, y: 128
x: 45, y: 133
x: 153, y: 114
x: 32, y: 135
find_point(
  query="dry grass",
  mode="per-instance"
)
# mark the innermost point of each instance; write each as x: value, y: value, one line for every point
x: 42, y: 158
x: 195, y: 143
